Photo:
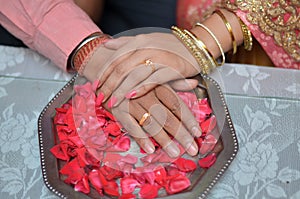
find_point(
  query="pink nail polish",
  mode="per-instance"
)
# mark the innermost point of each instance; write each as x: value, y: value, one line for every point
x: 112, y: 102
x: 130, y: 94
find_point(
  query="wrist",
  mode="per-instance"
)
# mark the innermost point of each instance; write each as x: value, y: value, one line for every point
x: 84, y: 51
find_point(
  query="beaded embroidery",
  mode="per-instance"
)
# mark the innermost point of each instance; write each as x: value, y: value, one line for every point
x: 277, y: 18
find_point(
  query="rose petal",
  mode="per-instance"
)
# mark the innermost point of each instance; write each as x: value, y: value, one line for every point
x: 208, y: 125
x: 111, y: 188
x: 178, y: 184
x: 95, y: 181
x: 208, y: 161
x: 130, y: 159
x: 185, y: 165
x: 59, y: 152
x: 112, y: 157
x: 111, y: 172
x: 207, y: 144
x: 128, y: 185
x: 64, y: 132
x: 160, y: 175
x: 148, y: 191
x: 73, y: 171
x: 127, y: 196
x: 173, y: 171
x: 113, y: 129
x: 83, y: 185
x: 120, y: 144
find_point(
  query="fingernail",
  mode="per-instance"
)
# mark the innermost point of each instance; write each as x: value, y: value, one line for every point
x: 193, y: 149
x: 172, y: 151
x: 112, y: 102
x: 130, y: 94
x: 196, y: 131
x: 149, y: 148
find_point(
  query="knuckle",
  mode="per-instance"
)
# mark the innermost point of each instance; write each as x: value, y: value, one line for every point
x: 168, y: 123
x: 119, y: 70
x: 151, y: 128
x: 176, y: 105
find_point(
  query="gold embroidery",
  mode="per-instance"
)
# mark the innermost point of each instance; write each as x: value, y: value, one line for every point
x: 277, y: 18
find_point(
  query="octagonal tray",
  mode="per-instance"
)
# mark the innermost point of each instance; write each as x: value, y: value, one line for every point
x: 202, y: 180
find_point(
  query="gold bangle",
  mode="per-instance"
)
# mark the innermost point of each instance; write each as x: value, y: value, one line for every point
x: 199, y: 43
x: 216, y: 40
x: 204, y: 60
x: 248, y: 43
x: 84, y: 50
x: 228, y: 26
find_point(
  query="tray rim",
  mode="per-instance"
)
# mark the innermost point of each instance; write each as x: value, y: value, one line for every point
x: 55, y: 185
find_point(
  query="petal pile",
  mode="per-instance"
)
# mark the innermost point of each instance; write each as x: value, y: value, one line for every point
x: 96, y: 153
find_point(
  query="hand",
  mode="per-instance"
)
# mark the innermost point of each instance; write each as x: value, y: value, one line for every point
x: 168, y: 116
x: 126, y: 74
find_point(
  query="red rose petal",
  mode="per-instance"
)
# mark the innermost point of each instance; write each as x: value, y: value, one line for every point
x: 95, y: 181
x: 160, y: 175
x: 208, y: 161
x: 207, y: 144
x: 148, y: 191
x: 130, y: 159
x: 111, y: 172
x: 173, y: 171
x: 112, y: 157
x: 113, y: 129
x: 208, y: 125
x: 83, y: 185
x: 150, y: 177
x: 128, y: 185
x: 127, y: 196
x: 79, y: 103
x: 185, y: 165
x: 73, y: 170
x: 111, y: 188
x: 59, y: 152
x: 178, y: 184
x: 120, y: 144
x: 64, y: 132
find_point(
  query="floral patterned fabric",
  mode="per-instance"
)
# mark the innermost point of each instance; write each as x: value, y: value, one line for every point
x: 265, y: 115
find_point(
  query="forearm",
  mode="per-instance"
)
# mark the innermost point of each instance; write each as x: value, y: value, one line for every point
x: 53, y: 28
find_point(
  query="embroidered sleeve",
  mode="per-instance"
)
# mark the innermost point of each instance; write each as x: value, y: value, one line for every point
x: 277, y: 20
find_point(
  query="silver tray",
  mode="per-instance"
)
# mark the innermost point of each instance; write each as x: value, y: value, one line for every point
x: 202, y: 180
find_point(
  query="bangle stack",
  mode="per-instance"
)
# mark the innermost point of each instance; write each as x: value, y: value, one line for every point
x: 229, y: 28
x: 248, y: 43
x: 216, y: 40
x: 198, y: 49
x: 82, y: 53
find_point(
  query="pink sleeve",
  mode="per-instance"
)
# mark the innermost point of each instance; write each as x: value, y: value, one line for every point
x: 51, y: 27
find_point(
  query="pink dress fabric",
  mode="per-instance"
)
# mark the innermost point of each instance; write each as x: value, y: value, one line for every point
x: 191, y: 11
x: 36, y: 23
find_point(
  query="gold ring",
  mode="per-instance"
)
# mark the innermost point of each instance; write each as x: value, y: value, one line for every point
x: 149, y: 62
x: 144, y: 118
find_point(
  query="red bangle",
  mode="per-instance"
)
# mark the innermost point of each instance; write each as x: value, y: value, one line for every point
x: 85, y: 50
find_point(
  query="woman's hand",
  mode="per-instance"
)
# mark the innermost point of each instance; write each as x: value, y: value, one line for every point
x: 160, y: 114
x: 140, y: 63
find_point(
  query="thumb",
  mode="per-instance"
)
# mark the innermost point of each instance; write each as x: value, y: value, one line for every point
x: 184, y: 84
